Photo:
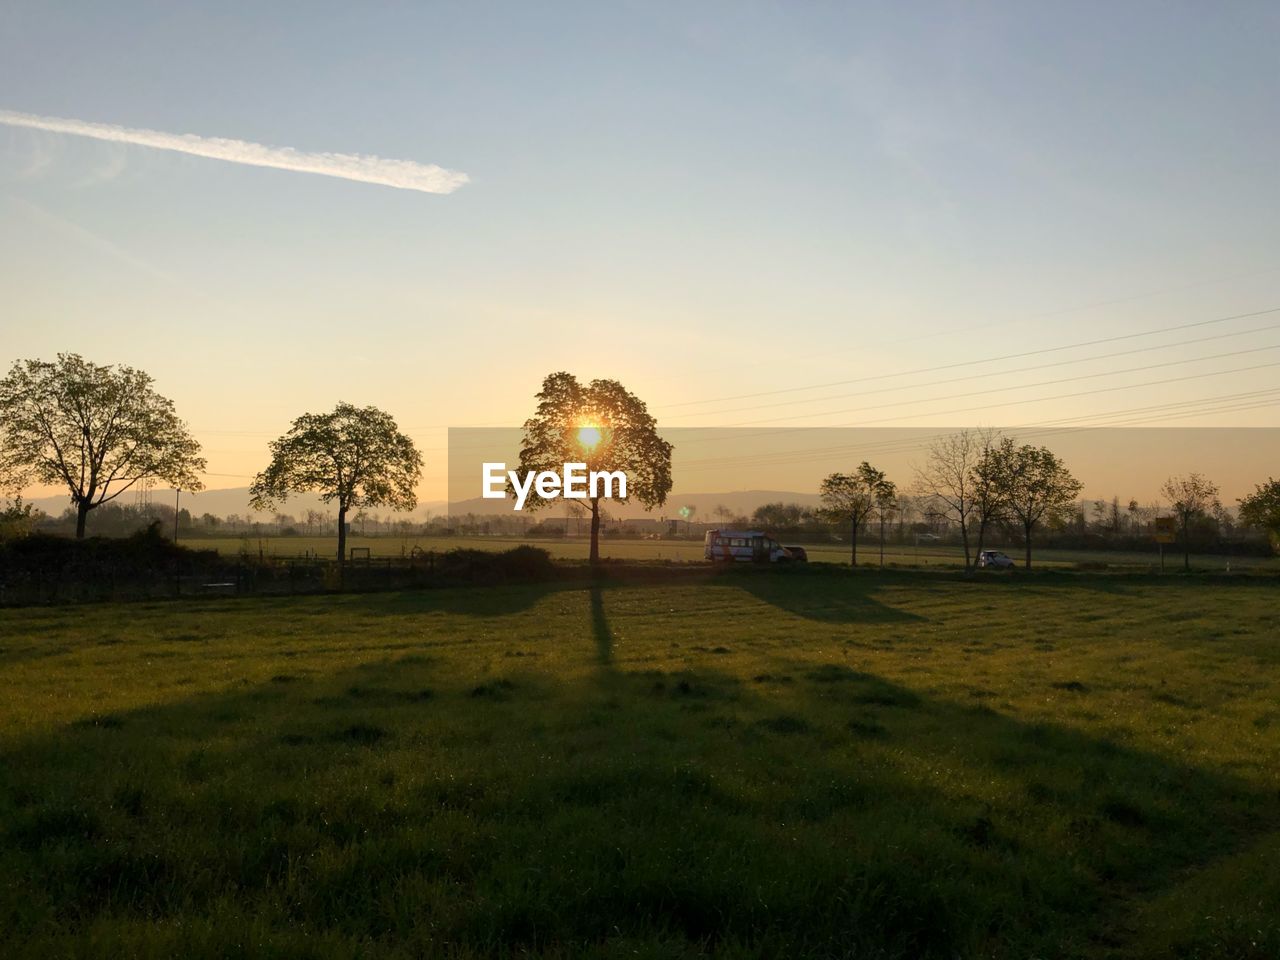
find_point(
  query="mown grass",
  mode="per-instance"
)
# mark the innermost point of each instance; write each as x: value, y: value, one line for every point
x: 771, y: 763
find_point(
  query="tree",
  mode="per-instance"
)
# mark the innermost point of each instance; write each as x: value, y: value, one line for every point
x: 1262, y: 508
x: 603, y: 425
x: 852, y: 497
x: 886, y: 506
x: 1191, y: 496
x: 724, y: 514
x: 989, y: 481
x: 778, y: 515
x: 1039, y: 487
x: 947, y: 479
x: 355, y: 456
x: 97, y: 430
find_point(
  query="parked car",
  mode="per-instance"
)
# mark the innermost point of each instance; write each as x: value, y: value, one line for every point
x: 994, y: 558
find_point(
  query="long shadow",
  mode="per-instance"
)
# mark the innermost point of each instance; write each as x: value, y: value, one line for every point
x: 833, y: 596
x: 810, y: 810
x: 600, y: 628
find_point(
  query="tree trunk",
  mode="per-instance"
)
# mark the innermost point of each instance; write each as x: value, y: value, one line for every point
x: 982, y: 537
x: 1186, y: 543
x: 82, y: 514
x: 882, y: 541
x: 853, y: 540
x: 342, y: 540
x: 595, y: 530
x: 964, y: 539
x: 1026, y: 536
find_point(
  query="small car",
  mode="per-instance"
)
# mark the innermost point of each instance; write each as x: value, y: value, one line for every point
x: 994, y: 558
x: 798, y: 554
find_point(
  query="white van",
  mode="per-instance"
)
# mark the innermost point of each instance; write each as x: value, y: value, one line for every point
x: 750, y: 546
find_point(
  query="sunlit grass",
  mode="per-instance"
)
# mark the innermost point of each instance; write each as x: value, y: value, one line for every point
x: 784, y: 765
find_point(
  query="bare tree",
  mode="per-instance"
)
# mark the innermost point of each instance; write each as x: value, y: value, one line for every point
x: 946, y: 478
x: 989, y: 481
x: 1192, y: 496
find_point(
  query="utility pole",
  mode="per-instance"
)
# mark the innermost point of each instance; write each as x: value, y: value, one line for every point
x: 176, y: 495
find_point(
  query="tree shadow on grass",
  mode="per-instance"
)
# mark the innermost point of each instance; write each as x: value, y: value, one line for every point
x: 833, y: 596
x: 808, y: 810
x: 600, y: 628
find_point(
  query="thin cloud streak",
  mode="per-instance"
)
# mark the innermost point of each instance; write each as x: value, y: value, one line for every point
x: 402, y: 174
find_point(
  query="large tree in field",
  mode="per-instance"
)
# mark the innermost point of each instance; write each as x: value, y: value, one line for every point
x: 1038, y: 487
x: 96, y: 430
x: 1262, y: 508
x: 1191, y: 496
x: 603, y: 425
x: 354, y: 456
x: 852, y: 497
x: 946, y: 479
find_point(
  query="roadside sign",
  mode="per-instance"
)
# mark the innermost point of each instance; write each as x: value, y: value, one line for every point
x: 1166, y: 530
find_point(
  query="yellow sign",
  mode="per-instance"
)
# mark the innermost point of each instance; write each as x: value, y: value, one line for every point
x: 1166, y: 530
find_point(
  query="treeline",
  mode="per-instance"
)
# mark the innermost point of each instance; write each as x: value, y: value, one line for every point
x: 1121, y: 524
x: 981, y: 488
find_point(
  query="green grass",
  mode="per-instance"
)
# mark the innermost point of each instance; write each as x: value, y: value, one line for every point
x: 577, y: 548
x: 767, y: 763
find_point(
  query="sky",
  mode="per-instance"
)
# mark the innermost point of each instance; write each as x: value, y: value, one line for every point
x: 750, y: 214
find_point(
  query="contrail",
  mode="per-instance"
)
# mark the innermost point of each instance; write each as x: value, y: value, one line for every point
x: 404, y: 174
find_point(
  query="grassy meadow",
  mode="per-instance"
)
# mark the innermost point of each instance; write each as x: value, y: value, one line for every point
x: 760, y: 763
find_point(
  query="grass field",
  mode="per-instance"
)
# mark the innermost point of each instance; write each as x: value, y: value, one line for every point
x: 798, y: 763
x: 577, y: 548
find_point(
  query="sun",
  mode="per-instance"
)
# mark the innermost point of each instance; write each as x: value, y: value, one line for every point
x: 588, y: 437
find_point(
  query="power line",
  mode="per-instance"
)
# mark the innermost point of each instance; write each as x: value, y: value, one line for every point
x: 1021, y: 386
x: 1248, y: 400
x: 979, y: 376
x: 970, y: 363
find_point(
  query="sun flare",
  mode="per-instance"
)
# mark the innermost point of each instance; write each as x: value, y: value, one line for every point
x: 588, y: 437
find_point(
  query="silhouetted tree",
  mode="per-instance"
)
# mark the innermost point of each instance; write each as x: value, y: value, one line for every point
x: 989, y: 479
x: 355, y: 456
x: 96, y: 430
x: 778, y: 515
x: 603, y: 425
x: 1191, y: 496
x: 1262, y: 508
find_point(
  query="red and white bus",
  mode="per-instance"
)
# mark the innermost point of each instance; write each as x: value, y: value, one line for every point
x: 748, y: 546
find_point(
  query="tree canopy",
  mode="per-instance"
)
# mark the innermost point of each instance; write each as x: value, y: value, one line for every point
x: 603, y: 425
x: 853, y: 496
x: 354, y: 456
x: 1262, y: 508
x: 96, y: 430
x: 1038, y: 487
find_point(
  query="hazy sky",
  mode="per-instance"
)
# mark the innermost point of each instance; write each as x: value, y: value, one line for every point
x: 701, y: 200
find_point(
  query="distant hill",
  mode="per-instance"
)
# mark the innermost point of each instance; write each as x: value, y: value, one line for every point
x: 223, y: 503
x: 235, y: 500
x: 739, y: 501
